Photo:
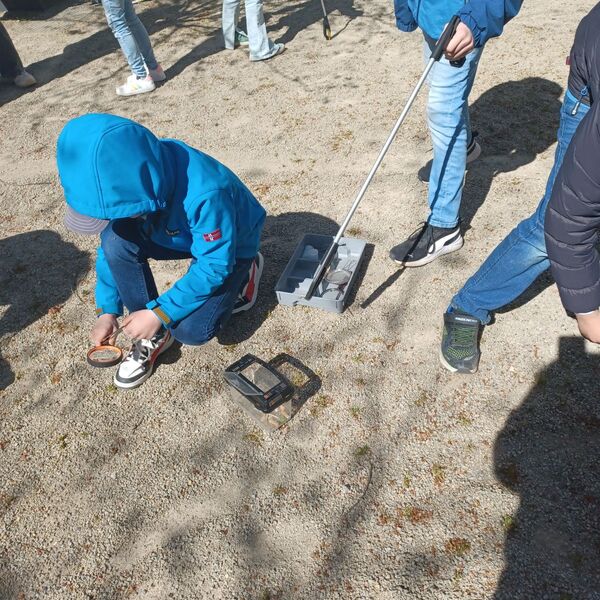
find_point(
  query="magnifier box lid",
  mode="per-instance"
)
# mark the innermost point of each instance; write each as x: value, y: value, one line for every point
x: 261, y: 391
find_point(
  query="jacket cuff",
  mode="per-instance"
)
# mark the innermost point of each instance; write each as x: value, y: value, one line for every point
x: 406, y: 27
x: 156, y: 308
x: 471, y: 23
x: 109, y: 309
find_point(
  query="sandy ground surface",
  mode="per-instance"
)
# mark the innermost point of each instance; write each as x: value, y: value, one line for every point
x: 396, y: 479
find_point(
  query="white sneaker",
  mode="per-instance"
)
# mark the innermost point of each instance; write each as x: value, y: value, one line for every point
x: 134, y: 86
x: 137, y: 366
x: 24, y: 79
x: 157, y: 74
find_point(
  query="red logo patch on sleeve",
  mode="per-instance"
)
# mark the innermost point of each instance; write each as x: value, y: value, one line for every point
x: 213, y: 236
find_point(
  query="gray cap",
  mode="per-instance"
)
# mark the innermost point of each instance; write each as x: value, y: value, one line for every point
x: 81, y: 224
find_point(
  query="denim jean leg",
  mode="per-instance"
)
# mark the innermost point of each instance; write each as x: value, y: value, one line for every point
x: 521, y: 257
x: 205, y: 322
x: 141, y: 35
x: 10, y: 63
x: 124, y: 248
x: 230, y: 18
x: 260, y: 44
x: 116, y: 17
x: 449, y: 125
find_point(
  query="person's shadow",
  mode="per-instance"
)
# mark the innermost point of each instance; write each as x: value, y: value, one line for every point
x: 171, y: 16
x: 548, y: 453
x: 517, y: 121
x: 38, y: 270
x: 281, y: 235
x: 301, y: 15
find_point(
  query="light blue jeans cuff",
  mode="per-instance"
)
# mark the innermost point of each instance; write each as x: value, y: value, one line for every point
x: 260, y: 44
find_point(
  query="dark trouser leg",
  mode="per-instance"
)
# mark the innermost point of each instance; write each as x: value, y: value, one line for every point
x: 10, y: 63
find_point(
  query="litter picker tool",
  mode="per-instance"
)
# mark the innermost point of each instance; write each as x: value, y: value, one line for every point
x: 326, y: 27
x: 333, y: 249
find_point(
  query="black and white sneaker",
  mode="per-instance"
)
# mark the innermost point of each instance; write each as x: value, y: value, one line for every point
x: 137, y: 366
x: 249, y: 291
x: 426, y: 244
x: 473, y: 153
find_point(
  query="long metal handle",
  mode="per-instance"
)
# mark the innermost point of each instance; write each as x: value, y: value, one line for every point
x: 384, y: 151
x: 435, y: 56
x: 320, y: 272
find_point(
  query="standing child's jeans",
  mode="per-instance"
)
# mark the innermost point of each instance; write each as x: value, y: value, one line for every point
x: 127, y: 250
x: 260, y: 45
x: 450, y: 128
x: 10, y: 63
x: 518, y: 260
x: 131, y: 35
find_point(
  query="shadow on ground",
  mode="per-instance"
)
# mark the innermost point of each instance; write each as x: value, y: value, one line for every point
x: 548, y: 454
x: 301, y: 15
x: 38, y: 270
x: 514, y: 130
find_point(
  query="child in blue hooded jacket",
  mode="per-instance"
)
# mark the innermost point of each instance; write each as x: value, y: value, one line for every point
x: 450, y: 84
x: 160, y: 199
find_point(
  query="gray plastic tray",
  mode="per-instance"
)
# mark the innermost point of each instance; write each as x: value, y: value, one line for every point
x: 295, y: 279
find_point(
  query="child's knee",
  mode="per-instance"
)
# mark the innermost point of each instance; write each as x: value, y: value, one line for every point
x: 193, y: 336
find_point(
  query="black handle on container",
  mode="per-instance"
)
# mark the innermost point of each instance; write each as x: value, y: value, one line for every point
x: 445, y: 38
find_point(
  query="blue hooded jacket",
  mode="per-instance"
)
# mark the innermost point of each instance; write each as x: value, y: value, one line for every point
x: 485, y: 18
x: 112, y: 168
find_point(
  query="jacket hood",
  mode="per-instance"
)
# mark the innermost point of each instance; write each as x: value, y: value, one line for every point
x: 112, y: 168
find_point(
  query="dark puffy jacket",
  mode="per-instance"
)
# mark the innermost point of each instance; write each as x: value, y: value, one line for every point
x: 573, y: 215
x: 585, y: 57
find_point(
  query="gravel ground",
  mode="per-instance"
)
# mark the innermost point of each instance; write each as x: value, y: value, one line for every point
x: 396, y: 480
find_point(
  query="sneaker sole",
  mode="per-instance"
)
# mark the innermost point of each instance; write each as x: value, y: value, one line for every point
x: 452, y: 369
x: 129, y: 385
x: 453, y: 247
x: 259, y: 270
x: 126, y: 95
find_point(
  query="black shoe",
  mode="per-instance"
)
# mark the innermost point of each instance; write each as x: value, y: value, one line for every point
x: 473, y: 153
x: 426, y: 244
x: 459, y: 352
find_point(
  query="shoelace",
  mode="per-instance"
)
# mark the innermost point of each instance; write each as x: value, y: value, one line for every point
x: 140, y: 350
x: 422, y: 229
x: 462, y: 336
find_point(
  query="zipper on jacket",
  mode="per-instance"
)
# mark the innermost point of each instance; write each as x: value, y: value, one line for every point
x: 583, y: 94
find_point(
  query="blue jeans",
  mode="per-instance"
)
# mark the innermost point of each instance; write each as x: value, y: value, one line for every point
x: 260, y: 44
x: 450, y: 128
x: 521, y: 257
x: 131, y: 35
x: 127, y: 249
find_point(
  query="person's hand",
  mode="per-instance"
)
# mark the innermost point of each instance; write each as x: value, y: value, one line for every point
x: 105, y: 326
x: 461, y: 43
x: 142, y: 324
x: 589, y: 326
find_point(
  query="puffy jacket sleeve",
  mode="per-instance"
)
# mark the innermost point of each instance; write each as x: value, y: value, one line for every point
x: 212, y: 221
x: 573, y: 219
x: 405, y: 20
x: 487, y: 18
x: 108, y: 300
